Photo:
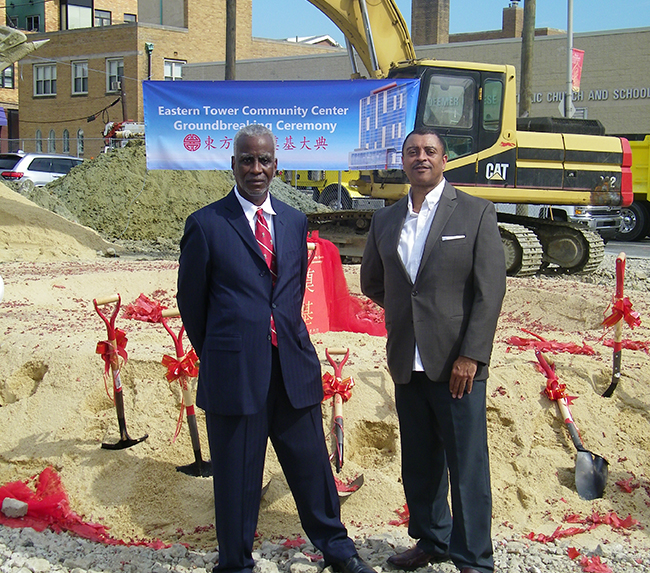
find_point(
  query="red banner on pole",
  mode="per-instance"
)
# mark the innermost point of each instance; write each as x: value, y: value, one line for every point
x: 576, y: 68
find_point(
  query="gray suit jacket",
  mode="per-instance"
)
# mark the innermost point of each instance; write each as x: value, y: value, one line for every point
x: 453, y: 307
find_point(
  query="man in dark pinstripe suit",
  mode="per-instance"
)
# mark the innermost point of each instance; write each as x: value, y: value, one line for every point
x: 251, y: 386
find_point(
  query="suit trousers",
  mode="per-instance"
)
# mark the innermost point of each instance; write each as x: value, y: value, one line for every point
x: 238, y: 448
x: 444, y: 441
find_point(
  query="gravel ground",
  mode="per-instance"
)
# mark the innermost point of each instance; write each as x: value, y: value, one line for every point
x: 26, y: 551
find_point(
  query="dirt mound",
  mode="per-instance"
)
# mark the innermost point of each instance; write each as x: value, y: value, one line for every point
x: 31, y: 233
x: 116, y: 195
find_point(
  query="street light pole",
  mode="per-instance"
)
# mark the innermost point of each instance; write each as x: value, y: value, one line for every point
x: 569, y: 72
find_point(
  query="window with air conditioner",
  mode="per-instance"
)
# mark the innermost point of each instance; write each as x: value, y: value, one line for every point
x: 114, y: 73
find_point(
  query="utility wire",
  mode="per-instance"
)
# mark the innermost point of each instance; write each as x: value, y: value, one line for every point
x: 87, y: 118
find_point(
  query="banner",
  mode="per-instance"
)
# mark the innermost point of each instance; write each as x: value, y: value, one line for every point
x: 329, y: 125
x: 576, y: 68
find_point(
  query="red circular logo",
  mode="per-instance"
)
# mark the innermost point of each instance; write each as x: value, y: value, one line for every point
x: 192, y: 142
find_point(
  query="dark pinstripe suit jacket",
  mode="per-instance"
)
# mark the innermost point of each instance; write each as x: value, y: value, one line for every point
x: 225, y: 297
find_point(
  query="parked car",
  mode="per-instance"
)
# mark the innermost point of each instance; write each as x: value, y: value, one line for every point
x: 35, y: 168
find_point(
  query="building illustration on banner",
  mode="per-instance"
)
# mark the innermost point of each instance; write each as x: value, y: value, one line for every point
x: 382, y: 128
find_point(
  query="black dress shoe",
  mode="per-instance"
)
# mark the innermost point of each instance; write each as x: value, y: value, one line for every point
x: 414, y: 558
x: 354, y: 565
x: 469, y: 570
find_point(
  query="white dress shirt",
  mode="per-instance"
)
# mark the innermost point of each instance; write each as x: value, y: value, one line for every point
x: 250, y: 210
x: 413, y: 238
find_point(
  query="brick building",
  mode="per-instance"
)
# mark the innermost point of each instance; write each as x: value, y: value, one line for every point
x: 70, y: 88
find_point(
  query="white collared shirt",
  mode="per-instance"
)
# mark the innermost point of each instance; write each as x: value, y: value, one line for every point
x: 413, y: 239
x: 250, y: 211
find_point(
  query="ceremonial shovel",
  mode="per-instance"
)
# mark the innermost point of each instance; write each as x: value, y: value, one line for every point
x: 618, y: 328
x: 591, y: 469
x: 337, y: 403
x: 343, y: 489
x: 199, y: 468
x: 112, y: 353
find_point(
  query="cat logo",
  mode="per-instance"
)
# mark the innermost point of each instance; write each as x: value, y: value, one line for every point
x: 496, y: 171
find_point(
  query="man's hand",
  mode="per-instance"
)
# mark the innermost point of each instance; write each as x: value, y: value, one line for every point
x: 462, y: 376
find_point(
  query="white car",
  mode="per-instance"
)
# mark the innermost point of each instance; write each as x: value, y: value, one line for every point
x: 35, y: 169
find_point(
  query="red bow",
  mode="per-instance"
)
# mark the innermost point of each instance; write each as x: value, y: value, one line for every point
x: 333, y: 386
x: 186, y: 365
x: 556, y: 390
x: 105, y: 348
x: 623, y: 309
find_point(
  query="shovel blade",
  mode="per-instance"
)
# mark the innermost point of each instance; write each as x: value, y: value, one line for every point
x: 124, y: 443
x: 591, y: 475
x: 196, y: 469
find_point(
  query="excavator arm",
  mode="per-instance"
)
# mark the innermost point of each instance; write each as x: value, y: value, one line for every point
x: 360, y: 20
x: 14, y: 46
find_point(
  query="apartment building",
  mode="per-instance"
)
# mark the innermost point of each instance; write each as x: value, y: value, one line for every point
x: 100, y: 51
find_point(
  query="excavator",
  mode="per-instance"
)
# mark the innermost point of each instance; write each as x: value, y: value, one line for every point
x: 492, y: 154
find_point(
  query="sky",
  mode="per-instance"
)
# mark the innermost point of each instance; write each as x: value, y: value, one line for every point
x: 291, y: 18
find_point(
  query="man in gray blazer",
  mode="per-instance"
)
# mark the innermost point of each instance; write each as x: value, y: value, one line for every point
x: 435, y: 262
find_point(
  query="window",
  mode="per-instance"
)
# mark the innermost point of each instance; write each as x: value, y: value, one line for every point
x: 33, y: 23
x: 173, y: 70
x: 450, y: 102
x: 44, y: 79
x: 38, y: 142
x: 492, y: 100
x: 80, y: 142
x: 51, y: 142
x: 80, y: 77
x: 66, y: 141
x: 76, y: 14
x: 102, y: 18
x: 114, y: 73
x: 130, y: 18
x: 7, y: 77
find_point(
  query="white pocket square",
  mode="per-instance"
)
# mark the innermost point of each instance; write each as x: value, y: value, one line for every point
x: 452, y: 237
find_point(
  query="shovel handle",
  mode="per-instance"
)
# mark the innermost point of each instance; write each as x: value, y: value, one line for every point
x: 171, y: 312
x: 571, y: 426
x: 620, y: 274
x: 338, y: 366
x: 107, y: 299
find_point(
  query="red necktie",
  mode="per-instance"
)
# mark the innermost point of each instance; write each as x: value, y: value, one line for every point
x: 263, y: 237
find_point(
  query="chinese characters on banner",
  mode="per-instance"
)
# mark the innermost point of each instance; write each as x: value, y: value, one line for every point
x: 314, y: 305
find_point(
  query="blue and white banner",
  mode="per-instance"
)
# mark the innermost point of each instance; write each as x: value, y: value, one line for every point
x: 328, y: 125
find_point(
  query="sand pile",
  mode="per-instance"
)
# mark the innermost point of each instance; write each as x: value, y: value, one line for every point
x: 115, y: 194
x: 54, y: 409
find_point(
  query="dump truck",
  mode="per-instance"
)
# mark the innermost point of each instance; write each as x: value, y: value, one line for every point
x: 636, y: 216
x: 535, y: 161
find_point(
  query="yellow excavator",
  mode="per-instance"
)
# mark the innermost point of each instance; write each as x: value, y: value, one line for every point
x: 492, y: 154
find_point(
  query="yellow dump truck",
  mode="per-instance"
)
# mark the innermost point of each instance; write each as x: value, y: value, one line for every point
x: 636, y: 217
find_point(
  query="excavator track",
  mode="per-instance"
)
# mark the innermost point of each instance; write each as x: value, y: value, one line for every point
x: 522, y: 249
x: 529, y: 243
x: 571, y: 247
